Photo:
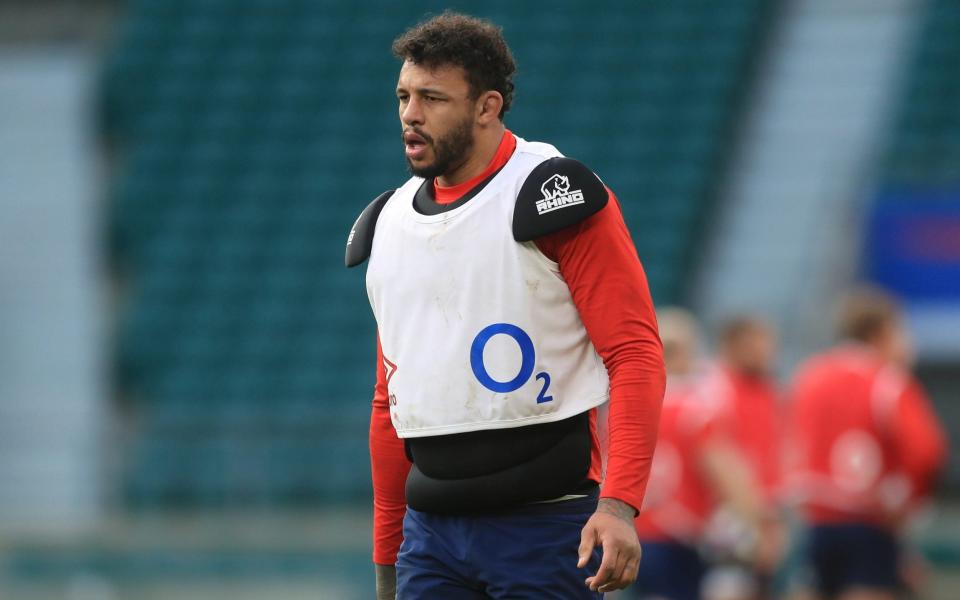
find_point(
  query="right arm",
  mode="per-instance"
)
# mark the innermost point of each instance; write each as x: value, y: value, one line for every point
x: 388, y: 460
x: 389, y: 467
x: 729, y: 477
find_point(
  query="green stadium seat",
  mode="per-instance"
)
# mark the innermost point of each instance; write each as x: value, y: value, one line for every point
x: 925, y: 145
x: 251, y: 134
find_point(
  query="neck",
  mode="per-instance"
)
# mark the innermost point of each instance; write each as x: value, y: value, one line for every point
x: 751, y: 372
x: 874, y: 346
x: 485, y: 146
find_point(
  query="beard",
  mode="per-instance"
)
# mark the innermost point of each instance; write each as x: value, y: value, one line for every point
x: 449, y: 151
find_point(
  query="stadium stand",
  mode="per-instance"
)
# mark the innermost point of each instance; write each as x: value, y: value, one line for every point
x: 249, y: 134
x: 925, y: 145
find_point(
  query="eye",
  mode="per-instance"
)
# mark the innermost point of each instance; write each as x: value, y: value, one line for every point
x: 433, y: 99
x: 402, y: 97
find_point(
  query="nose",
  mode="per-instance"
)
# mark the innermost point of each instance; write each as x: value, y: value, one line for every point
x: 411, y: 114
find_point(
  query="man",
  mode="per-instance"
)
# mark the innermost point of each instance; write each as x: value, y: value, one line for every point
x: 510, y: 304
x: 743, y: 384
x: 867, y: 447
x: 696, y: 469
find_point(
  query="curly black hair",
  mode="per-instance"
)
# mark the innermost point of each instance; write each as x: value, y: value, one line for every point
x: 473, y: 44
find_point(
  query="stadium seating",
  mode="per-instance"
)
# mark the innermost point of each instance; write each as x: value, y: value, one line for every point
x: 248, y: 136
x: 925, y: 146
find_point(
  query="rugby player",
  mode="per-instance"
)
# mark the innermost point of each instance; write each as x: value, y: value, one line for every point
x: 510, y: 304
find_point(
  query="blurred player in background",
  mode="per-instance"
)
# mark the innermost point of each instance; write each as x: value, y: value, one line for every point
x: 742, y: 381
x: 747, y: 387
x: 696, y: 469
x: 510, y: 304
x: 867, y: 447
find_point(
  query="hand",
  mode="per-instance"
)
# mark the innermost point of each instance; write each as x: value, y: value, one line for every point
x: 386, y: 582
x: 611, y: 526
x: 771, y: 544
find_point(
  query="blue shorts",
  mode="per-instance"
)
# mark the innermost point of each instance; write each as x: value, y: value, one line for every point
x: 844, y: 556
x: 669, y: 570
x: 526, y: 553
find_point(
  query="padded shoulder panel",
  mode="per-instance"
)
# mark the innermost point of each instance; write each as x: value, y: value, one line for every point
x: 558, y: 193
x: 360, y: 241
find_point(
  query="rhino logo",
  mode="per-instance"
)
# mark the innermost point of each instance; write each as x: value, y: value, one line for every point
x: 557, y: 194
x: 556, y: 185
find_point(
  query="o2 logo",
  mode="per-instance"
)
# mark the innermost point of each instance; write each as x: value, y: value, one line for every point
x: 527, y: 354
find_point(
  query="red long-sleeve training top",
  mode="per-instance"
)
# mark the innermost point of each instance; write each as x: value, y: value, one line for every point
x: 598, y: 261
x: 865, y: 439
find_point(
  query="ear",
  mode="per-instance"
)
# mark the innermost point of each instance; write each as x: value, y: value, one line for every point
x: 488, y: 107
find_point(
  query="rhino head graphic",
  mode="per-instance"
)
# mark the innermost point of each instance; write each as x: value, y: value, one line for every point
x: 556, y: 185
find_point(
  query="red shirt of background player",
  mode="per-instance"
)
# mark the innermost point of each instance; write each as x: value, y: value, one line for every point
x: 865, y: 442
x: 756, y: 423
x: 679, y: 502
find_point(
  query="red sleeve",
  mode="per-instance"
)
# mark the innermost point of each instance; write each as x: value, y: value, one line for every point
x: 920, y: 443
x: 599, y: 263
x: 389, y: 467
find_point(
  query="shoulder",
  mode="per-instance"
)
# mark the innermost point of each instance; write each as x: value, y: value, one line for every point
x: 697, y: 412
x: 360, y: 240
x: 536, y: 150
x: 829, y: 368
x: 809, y: 370
x: 559, y: 192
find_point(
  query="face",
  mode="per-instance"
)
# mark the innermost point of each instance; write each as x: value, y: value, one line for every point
x: 895, y: 343
x: 754, y: 351
x: 678, y: 356
x: 438, y: 116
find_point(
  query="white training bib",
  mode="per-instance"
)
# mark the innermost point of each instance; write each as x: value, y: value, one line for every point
x: 478, y: 331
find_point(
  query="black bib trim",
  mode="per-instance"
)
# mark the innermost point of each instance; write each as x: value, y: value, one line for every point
x: 425, y: 200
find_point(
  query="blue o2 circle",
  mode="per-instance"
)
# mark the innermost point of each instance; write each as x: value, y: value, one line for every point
x: 526, y: 352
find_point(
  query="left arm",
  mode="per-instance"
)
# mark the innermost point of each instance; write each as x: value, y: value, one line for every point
x: 918, y: 437
x: 609, y: 288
